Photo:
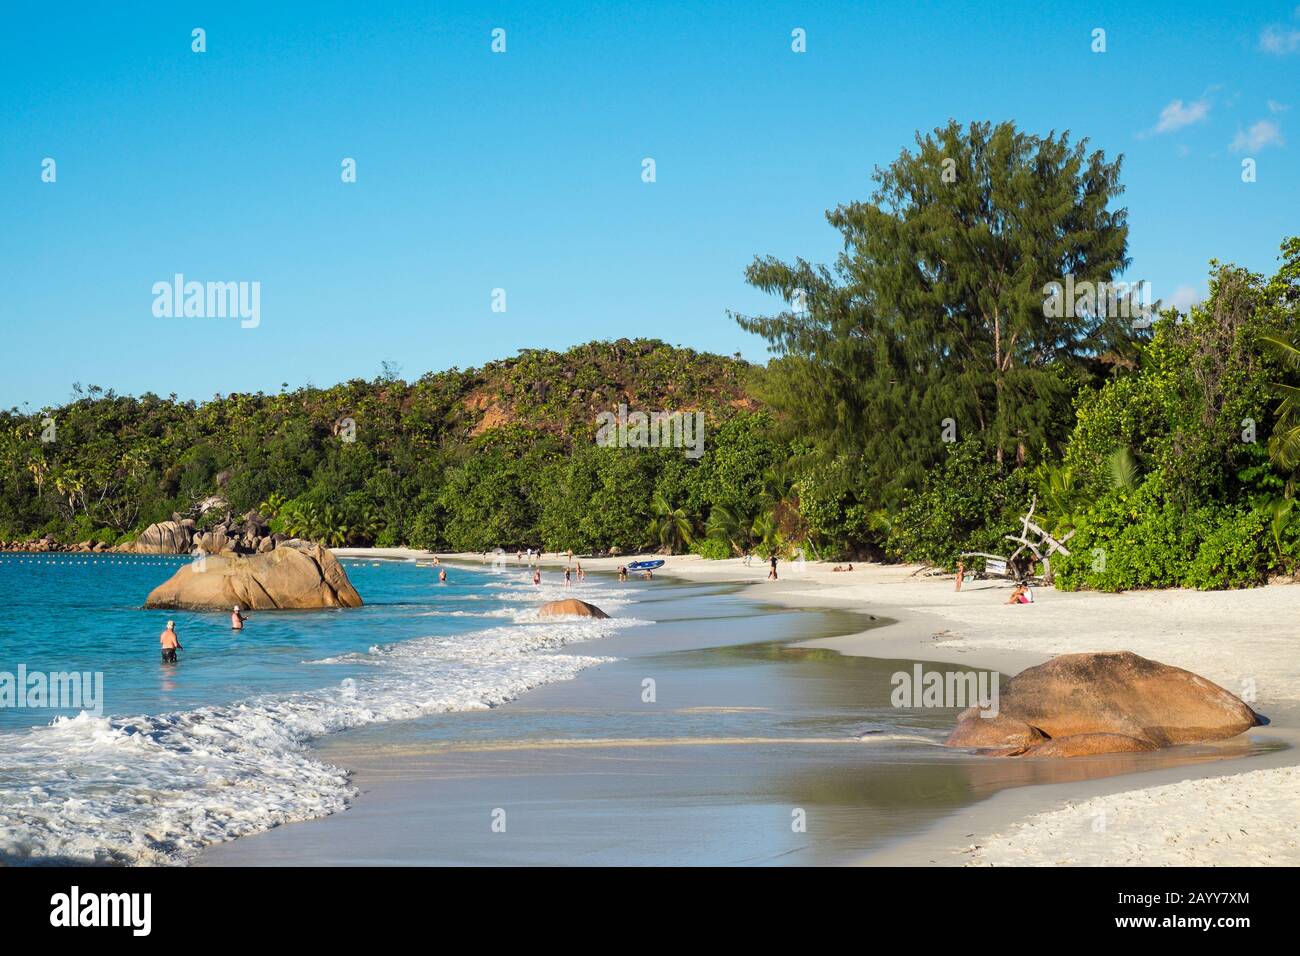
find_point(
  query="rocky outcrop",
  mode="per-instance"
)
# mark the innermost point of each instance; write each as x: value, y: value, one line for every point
x: 1115, y: 702
x: 570, y: 607
x: 250, y: 534
x: 165, y: 537
x: 286, y: 577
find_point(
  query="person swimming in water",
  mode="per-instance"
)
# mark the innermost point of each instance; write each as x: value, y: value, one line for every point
x: 442, y: 576
x: 170, y: 643
x: 237, y: 619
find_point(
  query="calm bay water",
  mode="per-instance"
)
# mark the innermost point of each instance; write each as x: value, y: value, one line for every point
x: 214, y: 747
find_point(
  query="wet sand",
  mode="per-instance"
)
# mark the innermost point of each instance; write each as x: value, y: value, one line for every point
x: 759, y: 747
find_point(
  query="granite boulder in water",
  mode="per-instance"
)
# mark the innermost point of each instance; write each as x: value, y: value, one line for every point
x: 305, y: 576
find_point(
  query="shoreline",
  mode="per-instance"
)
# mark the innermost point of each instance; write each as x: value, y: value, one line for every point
x: 1051, y: 823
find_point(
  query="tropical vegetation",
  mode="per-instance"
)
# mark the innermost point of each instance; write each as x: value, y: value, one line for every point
x: 920, y: 396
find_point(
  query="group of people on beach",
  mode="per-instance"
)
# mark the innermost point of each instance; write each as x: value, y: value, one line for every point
x: 171, y: 642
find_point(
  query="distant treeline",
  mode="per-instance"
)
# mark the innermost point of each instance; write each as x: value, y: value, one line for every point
x: 923, y: 392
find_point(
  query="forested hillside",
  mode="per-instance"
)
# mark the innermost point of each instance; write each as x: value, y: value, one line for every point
x: 924, y: 390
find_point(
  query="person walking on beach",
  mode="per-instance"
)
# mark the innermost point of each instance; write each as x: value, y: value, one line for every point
x: 537, y: 577
x: 961, y: 573
x: 581, y: 573
x: 237, y: 619
x: 170, y: 643
x: 771, y: 575
x: 568, y: 576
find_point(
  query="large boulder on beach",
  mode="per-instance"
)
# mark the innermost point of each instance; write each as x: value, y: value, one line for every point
x: 165, y: 537
x: 570, y: 607
x: 1086, y: 745
x: 302, y: 577
x: 1109, y: 702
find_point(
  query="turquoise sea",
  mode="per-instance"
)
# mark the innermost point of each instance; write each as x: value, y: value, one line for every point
x: 176, y: 757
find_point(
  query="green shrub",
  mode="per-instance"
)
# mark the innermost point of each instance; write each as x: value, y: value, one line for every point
x: 1145, y: 539
x: 1132, y: 539
x: 711, y: 549
x: 968, y: 506
x: 1234, y: 555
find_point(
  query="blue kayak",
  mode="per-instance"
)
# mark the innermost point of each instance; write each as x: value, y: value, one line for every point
x: 645, y: 565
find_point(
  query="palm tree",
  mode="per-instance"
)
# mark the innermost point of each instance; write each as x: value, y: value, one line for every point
x: 767, y: 533
x: 1123, y: 469
x: 726, y: 526
x: 270, y: 508
x: 333, y: 529
x: 365, y: 524
x: 1284, y: 444
x: 670, y: 527
x: 301, y: 520
x: 1281, y: 513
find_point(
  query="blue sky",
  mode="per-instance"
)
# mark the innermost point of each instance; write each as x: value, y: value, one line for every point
x: 522, y: 170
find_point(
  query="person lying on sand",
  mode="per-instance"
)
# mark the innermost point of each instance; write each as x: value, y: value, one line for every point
x: 170, y: 643
x: 840, y: 568
x: 237, y: 619
x: 1021, y: 595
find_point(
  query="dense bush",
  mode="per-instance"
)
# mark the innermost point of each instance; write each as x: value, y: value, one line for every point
x: 1133, y: 539
x: 1145, y: 539
x: 969, y: 505
x: 1233, y: 555
x: 712, y: 549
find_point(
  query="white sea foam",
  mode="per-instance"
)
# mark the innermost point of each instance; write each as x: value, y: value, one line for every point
x: 157, y: 788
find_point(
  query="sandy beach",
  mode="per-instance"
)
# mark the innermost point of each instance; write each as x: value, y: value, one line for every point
x: 1220, y: 813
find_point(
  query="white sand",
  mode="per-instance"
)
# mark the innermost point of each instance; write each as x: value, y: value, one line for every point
x: 1245, y: 819
x: 1246, y: 641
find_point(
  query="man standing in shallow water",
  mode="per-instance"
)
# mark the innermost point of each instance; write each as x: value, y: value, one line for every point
x: 170, y: 643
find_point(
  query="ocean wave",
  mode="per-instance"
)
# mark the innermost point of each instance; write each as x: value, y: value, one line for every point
x: 155, y: 789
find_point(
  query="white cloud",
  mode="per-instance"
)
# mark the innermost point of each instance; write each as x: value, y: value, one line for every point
x: 1177, y: 115
x: 1264, y: 133
x: 1275, y: 107
x: 1280, y: 40
x: 1184, y: 298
